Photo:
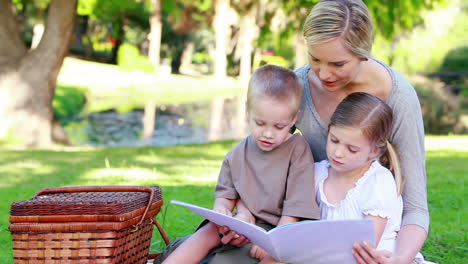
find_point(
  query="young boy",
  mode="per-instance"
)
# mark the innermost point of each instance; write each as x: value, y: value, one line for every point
x: 268, y: 175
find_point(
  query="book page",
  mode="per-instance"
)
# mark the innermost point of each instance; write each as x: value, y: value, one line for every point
x: 324, y: 241
x: 321, y: 241
x: 256, y: 234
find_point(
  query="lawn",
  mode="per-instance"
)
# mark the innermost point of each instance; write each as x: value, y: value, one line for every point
x: 188, y: 173
x: 107, y: 86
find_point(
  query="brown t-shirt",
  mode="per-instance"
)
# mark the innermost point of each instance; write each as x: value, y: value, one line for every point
x: 273, y: 183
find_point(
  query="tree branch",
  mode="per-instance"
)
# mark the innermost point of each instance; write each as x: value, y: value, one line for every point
x: 57, y: 35
x: 11, y: 45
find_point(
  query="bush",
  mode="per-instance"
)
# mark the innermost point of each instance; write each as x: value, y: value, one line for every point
x: 442, y: 111
x: 456, y: 60
x: 68, y: 103
x: 129, y: 58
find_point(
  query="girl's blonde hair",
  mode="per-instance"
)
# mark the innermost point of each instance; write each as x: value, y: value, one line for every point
x: 375, y: 119
x: 277, y: 83
x: 348, y: 20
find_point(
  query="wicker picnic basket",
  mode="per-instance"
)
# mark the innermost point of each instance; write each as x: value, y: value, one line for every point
x: 87, y: 224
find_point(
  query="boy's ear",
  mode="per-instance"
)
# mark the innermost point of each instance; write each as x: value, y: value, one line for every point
x: 295, y: 118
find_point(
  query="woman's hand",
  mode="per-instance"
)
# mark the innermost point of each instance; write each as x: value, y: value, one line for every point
x: 366, y: 254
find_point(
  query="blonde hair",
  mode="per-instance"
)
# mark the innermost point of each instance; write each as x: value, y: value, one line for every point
x: 348, y: 20
x: 375, y: 119
x: 277, y: 83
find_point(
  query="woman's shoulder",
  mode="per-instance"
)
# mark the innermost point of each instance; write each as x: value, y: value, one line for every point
x: 402, y: 94
x: 400, y: 84
x: 302, y: 71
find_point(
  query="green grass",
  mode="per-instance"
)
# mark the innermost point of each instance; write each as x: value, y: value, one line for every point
x: 188, y: 173
x: 107, y: 87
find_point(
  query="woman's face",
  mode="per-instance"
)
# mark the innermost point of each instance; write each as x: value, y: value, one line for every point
x: 334, y: 65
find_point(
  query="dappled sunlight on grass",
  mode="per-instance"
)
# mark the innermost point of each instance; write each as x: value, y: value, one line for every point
x: 20, y: 171
x: 120, y: 176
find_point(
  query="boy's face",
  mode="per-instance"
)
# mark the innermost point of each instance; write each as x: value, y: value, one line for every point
x: 269, y: 122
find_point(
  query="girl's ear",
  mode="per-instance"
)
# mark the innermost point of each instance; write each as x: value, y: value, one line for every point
x: 375, y: 153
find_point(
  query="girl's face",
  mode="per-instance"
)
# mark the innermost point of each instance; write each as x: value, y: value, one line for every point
x: 348, y: 149
x: 333, y: 64
x: 269, y: 122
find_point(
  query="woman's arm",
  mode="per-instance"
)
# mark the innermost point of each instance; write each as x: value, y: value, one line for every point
x: 408, y: 139
x: 410, y: 240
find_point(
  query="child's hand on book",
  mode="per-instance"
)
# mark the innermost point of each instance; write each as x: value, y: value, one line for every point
x: 245, y: 216
x: 269, y: 260
x: 223, y: 210
x: 232, y: 238
x: 258, y: 252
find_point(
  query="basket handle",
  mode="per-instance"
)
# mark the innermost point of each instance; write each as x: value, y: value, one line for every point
x: 74, y: 189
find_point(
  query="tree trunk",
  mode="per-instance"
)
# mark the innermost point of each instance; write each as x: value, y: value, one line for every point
x: 300, y: 51
x: 28, y: 79
x: 220, y: 66
x: 248, y: 32
x: 187, y: 56
x: 155, y: 34
x: 221, y: 31
x: 149, y: 119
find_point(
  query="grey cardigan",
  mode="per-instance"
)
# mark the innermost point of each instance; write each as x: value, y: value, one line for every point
x: 407, y: 137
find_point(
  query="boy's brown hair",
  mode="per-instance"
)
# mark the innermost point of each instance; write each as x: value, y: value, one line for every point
x: 277, y: 83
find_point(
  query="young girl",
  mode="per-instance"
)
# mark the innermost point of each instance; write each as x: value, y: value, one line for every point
x: 356, y: 180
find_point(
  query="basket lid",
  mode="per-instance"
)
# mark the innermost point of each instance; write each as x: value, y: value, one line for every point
x: 87, y: 200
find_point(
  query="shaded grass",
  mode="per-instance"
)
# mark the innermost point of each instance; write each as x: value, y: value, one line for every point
x: 189, y: 173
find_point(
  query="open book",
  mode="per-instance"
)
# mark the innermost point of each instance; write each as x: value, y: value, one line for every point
x: 324, y: 241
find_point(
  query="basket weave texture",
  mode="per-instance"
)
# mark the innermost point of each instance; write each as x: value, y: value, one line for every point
x: 88, y: 224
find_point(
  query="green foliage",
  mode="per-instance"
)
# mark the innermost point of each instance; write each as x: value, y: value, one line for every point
x: 201, y: 57
x: 86, y: 7
x: 456, y: 60
x: 189, y: 173
x: 115, y: 10
x: 392, y: 18
x: 270, y: 59
x: 425, y: 49
x: 68, y: 103
x: 129, y: 58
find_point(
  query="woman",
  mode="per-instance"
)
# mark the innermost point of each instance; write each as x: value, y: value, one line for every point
x: 339, y: 36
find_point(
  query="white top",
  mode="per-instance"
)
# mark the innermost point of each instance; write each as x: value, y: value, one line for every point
x: 374, y: 194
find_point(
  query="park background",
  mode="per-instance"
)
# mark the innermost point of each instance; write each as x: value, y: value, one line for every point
x: 151, y: 92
